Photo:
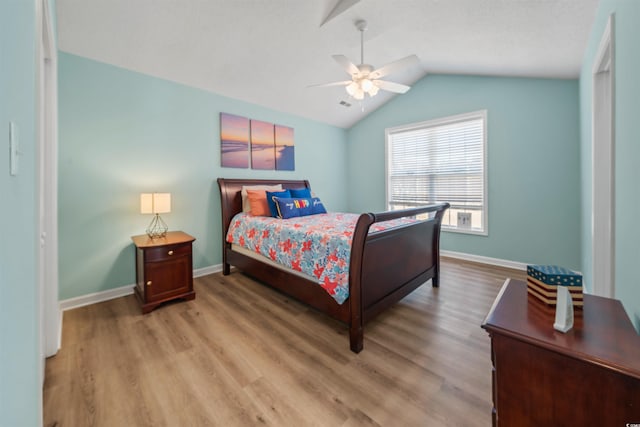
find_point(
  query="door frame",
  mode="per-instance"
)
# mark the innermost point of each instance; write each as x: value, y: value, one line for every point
x: 50, y: 313
x: 603, y: 166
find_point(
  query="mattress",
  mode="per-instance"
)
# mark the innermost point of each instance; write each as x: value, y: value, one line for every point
x: 318, y: 246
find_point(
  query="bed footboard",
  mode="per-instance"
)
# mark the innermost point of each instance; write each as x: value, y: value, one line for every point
x: 386, y: 266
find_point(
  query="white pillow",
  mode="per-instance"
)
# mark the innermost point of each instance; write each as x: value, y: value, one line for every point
x: 246, y: 206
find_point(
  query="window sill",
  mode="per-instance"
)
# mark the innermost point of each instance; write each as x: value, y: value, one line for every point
x: 465, y: 231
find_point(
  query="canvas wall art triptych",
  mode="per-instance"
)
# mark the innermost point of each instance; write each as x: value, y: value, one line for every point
x: 253, y: 143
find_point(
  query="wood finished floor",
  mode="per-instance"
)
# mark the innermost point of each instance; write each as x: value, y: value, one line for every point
x: 242, y: 354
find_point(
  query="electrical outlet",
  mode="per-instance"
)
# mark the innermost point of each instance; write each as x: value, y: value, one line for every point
x: 464, y: 219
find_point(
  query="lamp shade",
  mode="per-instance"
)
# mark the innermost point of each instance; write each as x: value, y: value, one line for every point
x: 155, y: 203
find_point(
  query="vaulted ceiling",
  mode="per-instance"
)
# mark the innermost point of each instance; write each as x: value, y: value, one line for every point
x: 268, y: 52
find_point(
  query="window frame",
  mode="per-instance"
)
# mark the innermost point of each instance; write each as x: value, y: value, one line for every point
x: 475, y: 115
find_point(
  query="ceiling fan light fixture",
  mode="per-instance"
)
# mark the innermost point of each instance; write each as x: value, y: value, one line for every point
x: 357, y: 89
x: 366, y: 85
x: 373, y: 91
x: 352, y: 88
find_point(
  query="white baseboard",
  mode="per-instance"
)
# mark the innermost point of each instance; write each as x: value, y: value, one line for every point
x: 485, y: 260
x: 96, y: 297
x: 122, y: 291
x: 207, y: 270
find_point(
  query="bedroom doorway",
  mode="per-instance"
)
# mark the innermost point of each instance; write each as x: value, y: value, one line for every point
x: 603, y: 171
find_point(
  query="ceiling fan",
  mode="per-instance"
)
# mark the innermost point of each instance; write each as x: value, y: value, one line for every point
x: 364, y: 78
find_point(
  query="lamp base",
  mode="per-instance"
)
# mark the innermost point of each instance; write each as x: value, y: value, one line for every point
x: 157, y: 228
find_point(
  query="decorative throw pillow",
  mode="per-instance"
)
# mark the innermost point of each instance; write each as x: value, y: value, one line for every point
x: 300, y: 193
x: 317, y: 207
x: 258, y: 203
x: 272, y: 204
x: 245, y: 200
x: 290, y: 207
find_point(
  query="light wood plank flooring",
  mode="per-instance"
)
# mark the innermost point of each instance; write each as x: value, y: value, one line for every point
x: 242, y: 354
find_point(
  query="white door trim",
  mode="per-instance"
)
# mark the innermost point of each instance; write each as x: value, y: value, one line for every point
x: 603, y: 166
x: 48, y: 186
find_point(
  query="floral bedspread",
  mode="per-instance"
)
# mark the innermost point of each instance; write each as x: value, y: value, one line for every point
x: 316, y: 245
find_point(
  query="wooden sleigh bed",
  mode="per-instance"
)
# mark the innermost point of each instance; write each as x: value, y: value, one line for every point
x: 384, y: 266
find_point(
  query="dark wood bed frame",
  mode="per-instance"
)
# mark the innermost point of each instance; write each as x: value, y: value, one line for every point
x: 384, y: 266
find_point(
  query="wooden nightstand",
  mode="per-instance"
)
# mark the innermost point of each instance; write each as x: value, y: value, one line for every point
x: 164, y: 269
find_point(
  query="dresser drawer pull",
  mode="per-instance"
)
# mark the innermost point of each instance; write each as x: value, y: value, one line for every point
x: 149, y: 283
x: 170, y: 252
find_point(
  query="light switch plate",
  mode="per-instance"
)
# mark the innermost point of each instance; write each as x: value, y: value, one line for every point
x: 13, y: 149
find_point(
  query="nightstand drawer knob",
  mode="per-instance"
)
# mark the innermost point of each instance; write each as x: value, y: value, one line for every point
x: 170, y: 252
x: 149, y: 283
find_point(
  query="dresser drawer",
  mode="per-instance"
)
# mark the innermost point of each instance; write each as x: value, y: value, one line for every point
x: 165, y: 253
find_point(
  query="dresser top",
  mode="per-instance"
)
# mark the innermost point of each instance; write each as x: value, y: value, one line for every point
x: 602, y: 332
x: 172, y: 238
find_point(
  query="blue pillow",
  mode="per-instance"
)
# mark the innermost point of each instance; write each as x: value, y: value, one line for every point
x: 300, y: 193
x: 317, y: 207
x: 295, y: 207
x: 272, y: 204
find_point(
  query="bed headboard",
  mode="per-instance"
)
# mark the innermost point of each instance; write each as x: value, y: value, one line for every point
x: 231, y: 200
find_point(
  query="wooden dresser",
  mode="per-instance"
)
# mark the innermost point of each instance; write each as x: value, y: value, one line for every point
x: 589, y: 376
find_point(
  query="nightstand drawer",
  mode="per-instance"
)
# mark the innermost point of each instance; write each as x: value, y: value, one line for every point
x: 166, y: 253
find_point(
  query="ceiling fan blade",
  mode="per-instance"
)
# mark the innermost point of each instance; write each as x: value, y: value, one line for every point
x: 391, y: 86
x: 342, y: 83
x: 346, y: 64
x: 394, y: 66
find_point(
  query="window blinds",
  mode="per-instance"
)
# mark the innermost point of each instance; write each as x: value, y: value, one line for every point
x: 437, y: 163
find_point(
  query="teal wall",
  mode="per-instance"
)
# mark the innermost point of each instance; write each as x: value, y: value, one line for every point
x: 627, y: 148
x: 123, y: 133
x: 533, y: 161
x: 20, y: 380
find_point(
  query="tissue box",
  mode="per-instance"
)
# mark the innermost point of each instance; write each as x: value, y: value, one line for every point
x: 543, y: 282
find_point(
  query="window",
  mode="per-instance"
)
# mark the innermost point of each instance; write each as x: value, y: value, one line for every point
x: 442, y: 160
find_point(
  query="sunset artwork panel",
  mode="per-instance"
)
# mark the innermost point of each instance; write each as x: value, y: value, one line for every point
x: 263, y: 154
x: 285, y: 150
x: 234, y: 141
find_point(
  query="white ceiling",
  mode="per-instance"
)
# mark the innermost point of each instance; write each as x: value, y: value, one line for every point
x: 268, y: 51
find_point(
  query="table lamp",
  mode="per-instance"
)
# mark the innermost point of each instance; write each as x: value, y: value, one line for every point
x: 156, y: 203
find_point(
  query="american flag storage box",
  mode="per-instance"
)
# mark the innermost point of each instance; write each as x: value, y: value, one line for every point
x: 543, y: 282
